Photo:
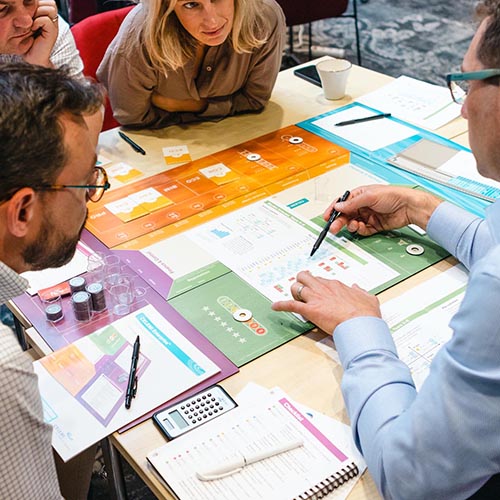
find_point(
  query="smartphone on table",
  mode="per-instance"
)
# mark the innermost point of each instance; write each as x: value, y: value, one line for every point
x: 309, y: 73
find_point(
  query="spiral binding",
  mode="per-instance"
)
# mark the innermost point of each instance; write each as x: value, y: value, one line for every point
x: 330, y: 483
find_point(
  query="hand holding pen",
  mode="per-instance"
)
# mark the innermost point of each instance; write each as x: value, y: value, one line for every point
x: 333, y: 215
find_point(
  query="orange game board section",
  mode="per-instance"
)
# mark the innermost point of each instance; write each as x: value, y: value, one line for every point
x: 211, y: 186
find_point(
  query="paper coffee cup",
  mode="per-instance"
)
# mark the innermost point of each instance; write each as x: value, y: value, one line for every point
x: 333, y: 73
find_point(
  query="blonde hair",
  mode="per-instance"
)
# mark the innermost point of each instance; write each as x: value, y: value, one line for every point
x: 169, y: 46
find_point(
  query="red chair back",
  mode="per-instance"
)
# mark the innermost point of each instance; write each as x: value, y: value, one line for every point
x: 92, y: 36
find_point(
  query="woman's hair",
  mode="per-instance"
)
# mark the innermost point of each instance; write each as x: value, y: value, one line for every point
x: 488, y: 51
x: 169, y: 46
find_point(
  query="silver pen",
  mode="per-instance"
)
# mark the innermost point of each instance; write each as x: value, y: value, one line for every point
x: 239, y: 461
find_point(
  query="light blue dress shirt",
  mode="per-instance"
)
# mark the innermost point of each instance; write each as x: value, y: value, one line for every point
x: 443, y: 443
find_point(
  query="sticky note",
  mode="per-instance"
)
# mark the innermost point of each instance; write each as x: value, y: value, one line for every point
x: 219, y: 173
x: 123, y: 172
x: 150, y: 199
x: 176, y: 154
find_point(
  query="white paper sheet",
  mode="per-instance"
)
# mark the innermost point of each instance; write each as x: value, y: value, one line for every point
x: 371, y: 135
x: 419, y: 320
x: 267, y: 245
x: 423, y: 104
x: 83, y: 385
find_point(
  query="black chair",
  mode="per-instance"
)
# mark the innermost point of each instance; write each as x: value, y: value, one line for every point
x: 297, y: 13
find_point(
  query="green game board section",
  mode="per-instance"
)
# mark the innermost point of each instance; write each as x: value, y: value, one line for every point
x: 390, y: 248
x: 197, y: 278
x: 209, y: 309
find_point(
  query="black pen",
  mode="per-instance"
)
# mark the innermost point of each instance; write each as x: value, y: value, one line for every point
x: 333, y: 215
x: 361, y: 120
x: 132, y: 376
x: 134, y: 145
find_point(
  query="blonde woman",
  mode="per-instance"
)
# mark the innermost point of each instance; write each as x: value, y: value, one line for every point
x: 180, y: 61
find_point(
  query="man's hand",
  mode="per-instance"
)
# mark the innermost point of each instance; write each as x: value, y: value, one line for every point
x: 371, y: 209
x: 178, y: 105
x: 45, y: 30
x: 327, y: 303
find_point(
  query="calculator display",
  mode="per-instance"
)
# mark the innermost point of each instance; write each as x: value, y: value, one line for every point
x: 178, y: 419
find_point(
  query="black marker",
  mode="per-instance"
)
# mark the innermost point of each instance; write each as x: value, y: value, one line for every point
x: 132, y: 376
x: 361, y: 120
x: 134, y: 145
x: 333, y: 215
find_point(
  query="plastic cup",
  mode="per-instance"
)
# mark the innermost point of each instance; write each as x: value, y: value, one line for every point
x: 121, y: 298
x: 333, y: 74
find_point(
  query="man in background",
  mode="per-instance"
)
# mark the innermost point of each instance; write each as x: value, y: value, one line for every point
x: 49, y: 126
x: 443, y: 442
x: 33, y: 30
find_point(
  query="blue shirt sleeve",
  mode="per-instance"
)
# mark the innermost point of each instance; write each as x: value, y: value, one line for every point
x: 442, y: 442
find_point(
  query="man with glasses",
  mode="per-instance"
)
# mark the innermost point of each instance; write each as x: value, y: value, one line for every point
x: 49, y: 126
x: 444, y: 442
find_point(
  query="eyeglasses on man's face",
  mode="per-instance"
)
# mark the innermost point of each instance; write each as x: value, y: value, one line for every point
x: 458, y: 83
x: 98, y: 184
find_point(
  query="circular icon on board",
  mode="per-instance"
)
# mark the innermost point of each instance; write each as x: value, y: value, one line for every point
x: 253, y: 156
x: 295, y: 140
x: 415, y: 249
x: 242, y: 315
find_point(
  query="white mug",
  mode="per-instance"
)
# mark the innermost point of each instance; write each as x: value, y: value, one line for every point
x: 333, y: 73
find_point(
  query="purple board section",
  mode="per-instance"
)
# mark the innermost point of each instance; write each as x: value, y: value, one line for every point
x: 68, y: 330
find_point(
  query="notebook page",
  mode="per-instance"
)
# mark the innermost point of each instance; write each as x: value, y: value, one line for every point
x: 283, y: 476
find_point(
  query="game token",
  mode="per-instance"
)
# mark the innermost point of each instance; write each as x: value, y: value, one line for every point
x: 242, y: 315
x: 415, y: 249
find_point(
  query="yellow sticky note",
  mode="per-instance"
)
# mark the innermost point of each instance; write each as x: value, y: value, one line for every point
x: 123, y: 172
x: 151, y: 199
x: 219, y: 173
x: 176, y: 154
x: 126, y: 209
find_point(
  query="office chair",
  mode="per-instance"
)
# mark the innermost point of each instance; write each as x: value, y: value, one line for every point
x: 297, y: 13
x: 92, y: 37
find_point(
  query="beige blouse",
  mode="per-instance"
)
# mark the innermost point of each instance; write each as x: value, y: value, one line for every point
x: 232, y: 83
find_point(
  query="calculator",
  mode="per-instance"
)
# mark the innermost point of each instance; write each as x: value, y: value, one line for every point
x: 194, y: 411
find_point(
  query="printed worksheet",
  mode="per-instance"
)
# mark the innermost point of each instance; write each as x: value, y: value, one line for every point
x: 267, y: 245
x: 419, y: 320
x: 83, y: 385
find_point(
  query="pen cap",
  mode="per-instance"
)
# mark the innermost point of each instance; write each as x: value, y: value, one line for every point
x: 333, y: 74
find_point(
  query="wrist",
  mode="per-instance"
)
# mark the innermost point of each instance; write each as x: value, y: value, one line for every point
x: 421, y: 207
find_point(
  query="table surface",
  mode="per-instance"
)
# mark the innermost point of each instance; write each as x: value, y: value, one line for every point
x: 298, y: 367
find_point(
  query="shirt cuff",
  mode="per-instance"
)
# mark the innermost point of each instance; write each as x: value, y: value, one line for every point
x: 359, y: 335
x: 447, y: 225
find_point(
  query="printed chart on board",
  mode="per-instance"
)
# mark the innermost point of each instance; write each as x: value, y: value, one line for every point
x: 249, y: 258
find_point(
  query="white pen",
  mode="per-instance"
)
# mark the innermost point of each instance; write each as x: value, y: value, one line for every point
x: 237, y: 462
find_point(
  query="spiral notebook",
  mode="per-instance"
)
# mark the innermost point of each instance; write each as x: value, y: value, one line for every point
x: 312, y: 470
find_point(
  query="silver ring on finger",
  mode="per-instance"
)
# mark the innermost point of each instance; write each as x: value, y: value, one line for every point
x: 55, y: 19
x: 299, y: 292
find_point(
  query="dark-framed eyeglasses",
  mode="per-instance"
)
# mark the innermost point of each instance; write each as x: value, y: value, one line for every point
x: 95, y: 190
x: 458, y: 83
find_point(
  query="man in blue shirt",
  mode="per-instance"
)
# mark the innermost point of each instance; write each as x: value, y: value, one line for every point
x: 443, y: 442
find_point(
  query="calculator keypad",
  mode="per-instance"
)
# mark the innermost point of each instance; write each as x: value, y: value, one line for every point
x: 194, y: 411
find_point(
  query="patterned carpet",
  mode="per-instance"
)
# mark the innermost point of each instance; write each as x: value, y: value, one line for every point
x: 419, y: 38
